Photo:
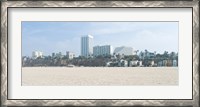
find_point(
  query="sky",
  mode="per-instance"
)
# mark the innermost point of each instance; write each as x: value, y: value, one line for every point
x: 49, y: 37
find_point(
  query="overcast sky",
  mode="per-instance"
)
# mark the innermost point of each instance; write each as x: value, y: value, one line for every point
x: 50, y: 37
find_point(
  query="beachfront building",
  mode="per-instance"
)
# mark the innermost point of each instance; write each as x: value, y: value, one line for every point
x: 37, y: 54
x: 87, y: 46
x: 160, y: 63
x: 102, y: 50
x: 146, y: 54
x: 124, y: 51
x: 175, y: 63
x: 133, y: 63
x: 122, y: 63
x: 168, y: 63
x: 70, y: 55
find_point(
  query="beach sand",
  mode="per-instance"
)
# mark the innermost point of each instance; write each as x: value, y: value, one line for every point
x: 99, y: 76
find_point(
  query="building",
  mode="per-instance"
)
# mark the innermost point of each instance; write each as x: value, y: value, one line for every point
x: 53, y: 55
x: 146, y: 54
x: 87, y: 46
x: 59, y: 55
x: 175, y: 63
x: 124, y: 51
x: 102, y: 50
x: 70, y: 55
x: 140, y: 63
x: 122, y: 63
x: 37, y: 54
x: 133, y: 63
x: 152, y: 63
x: 167, y: 62
x: 160, y: 63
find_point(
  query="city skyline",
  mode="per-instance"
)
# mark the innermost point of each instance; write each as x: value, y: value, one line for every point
x: 50, y: 37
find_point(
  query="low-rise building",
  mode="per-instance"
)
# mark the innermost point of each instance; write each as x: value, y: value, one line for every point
x: 175, y: 63
x: 160, y: 63
x: 146, y: 54
x: 70, y: 55
x: 152, y: 63
x: 140, y: 63
x: 133, y: 63
x: 167, y: 63
x: 123, y: 63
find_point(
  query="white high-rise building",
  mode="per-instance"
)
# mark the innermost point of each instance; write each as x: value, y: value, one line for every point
x: 36, y: 54
x: 102, y: 50
x: 87, y: 46
x: 124, y: 51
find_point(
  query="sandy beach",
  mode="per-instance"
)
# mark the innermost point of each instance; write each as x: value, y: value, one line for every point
x: 99, y: 76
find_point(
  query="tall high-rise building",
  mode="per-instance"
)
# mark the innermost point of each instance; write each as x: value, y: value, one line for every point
x: 87, y: 46
x: 102, y: 50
